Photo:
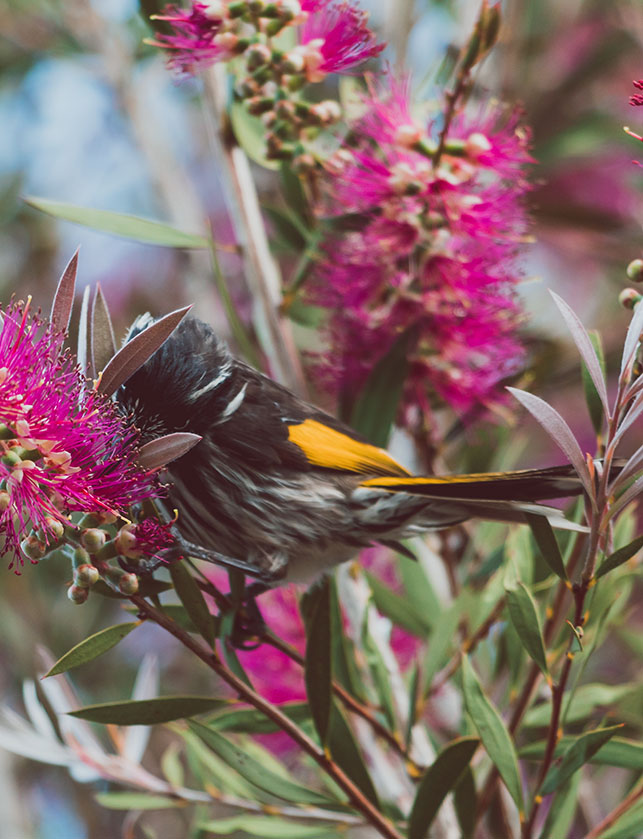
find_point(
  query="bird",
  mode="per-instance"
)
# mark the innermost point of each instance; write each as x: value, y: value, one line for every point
x: 282, y: 490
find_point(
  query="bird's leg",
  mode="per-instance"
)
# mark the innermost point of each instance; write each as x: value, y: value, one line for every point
x: 249, y: 623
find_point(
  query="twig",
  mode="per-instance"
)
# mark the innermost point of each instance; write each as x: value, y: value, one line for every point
x: 370, y: 813
x: 631, y: 799
x: 347, y: 700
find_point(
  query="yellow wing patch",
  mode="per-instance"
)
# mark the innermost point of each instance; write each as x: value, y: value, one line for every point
x: 473, y: 477
x: 326, y: 447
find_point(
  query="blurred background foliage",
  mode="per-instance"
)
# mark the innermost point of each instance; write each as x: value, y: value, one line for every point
x: 90, y: 116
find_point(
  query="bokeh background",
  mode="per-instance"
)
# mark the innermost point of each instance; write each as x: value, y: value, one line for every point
x: 89, y: 115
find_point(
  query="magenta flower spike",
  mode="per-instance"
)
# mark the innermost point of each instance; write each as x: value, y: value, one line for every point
x: 63, y: 447
x: 335, y: 38
x: 437, y: 252
x: 198, y: 40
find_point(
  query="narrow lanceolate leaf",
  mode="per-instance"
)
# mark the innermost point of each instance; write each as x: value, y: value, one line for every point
x: 267, y: 827
x: 158, y: 453
x: 620, y: 556
x: 465, y: 801
x: 255, y: 772
x: 121, y: 224
x: 318, y: 675
x: 579, y: 753
x: 629, y: 824
x: 561, y: 815
x: 585, y: 348
x: 524, y: 617
x: 137, y: 351
x: 558, y: 430
x: 83, y: 353
x: 627, y: 754
x: 92, y: 647
x: 632, y: 339
x: 493, y: 733
x: 592, y: 398
x: 399, y: 609
x: 149, y: 711
x: 345, y: 752
x: 376, y: 408
x: 438, y: 781
x: 103, y: 342
x: 190, y: 596
x: 136, y: 801
x: 64, y: 296
x: 547, y: 544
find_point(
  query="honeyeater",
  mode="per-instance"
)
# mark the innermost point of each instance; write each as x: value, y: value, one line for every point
x: 281, y: 489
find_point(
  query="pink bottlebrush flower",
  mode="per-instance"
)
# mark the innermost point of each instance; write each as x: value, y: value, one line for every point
x: 436, y: 253
x: 198, y: 40
x: 335, y: 38
x: 62, y: 447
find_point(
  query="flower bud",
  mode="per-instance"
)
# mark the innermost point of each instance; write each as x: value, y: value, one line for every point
x: 128, y: 584
x: 10, y: 458
x: 285, y: 109
x: 237, y: 8
x: 93, y: 539
x: 5, y: 500
x: 6, y: 433
x: 245, y: 88
x: 635, y: 271
x: 77, y: 594
x: 629, y: 298
x: 229, y: 41
x: 259, y: 104
x: 293, y: 62
x: 257, y: 55
x: 407, y: 136
x: 476, y: 145
x: 256, y: 7
x: 126, y: 540
x: 33, y: 548
x: 216, y: 10
x: 86, y: 575
x: 289, y: 9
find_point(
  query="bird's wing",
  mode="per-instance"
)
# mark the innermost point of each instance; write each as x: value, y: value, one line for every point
x: 331, y: 448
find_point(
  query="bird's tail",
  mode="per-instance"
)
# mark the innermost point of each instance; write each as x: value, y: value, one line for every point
x: 522, y: 485
x: 499, y: 496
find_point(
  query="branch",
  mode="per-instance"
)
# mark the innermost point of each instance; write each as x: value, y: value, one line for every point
x: 370, y: 813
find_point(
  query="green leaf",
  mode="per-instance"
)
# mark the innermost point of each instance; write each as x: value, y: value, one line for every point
x: 92, y: 647
x: 619, y: 557
x: 148, y: 711
x: 318, y: 668
x: 190, y: 596
x: 286, y: 228
x: 121, y: 224
x: 627, y: 754
x: 593, y: 400
x: 137, y: 801
x: 547, y: 544
x: 250, y: 133
x: 493, y: 733
x: 465, y: 801
x: 524, y: 617
x: 252, y: 721
x: 579, y: 753
x: 254, y: 772
x: 293, y: 192
x: 345, y: 752
x: 440, y: 643
x: 374, y: 412
x: 397, y: 608
x: 585, y: 701
x: 438, y: 781
x: 561, y: 815
x: 171, y: 765
x: 345, y: 668
x: 267, y: 827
